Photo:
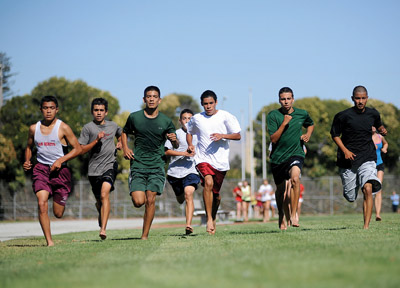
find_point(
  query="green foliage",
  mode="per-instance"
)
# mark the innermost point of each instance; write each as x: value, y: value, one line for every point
x: 6, y: 69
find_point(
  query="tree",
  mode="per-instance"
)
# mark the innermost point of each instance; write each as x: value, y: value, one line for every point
x: 5, y: 67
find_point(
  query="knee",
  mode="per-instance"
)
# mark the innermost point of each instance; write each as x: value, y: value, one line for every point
x: 58, y: 214
x: 209, y: 183
x: 137, y: 202
x: 43, y: 206
x: 295, y: 180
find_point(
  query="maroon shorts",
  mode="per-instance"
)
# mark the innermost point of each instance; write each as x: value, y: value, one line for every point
x: 57, y: 183
x: 218, y: 176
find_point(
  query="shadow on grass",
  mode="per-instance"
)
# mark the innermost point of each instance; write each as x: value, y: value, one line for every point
x: 26, y: 245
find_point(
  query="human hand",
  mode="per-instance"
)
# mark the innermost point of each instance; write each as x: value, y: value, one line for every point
x: 349, y: 155
x: 128, y: 154
x: 56, y: 165
x: 286, y: 119
x: 171, y: 137
x: 216, y: 136
x: 27, y: 165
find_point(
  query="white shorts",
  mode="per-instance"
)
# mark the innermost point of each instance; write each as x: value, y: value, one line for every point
x: 353, y: 179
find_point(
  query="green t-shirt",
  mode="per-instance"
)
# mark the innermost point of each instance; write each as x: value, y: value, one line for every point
x: 289, y: 144
x: 150, y: 136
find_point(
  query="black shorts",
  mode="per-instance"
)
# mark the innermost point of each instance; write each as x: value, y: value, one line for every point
x: 380, y: 167
x: 108, y: 176
x: 281, y: 171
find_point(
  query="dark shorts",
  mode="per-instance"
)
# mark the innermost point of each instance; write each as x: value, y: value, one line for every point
x: 147, y: 180
x: 218, y: 176
x: 380, y: 167
x: 108, y: 176
x: 179, y: 184
x: 281, y: 171
x: 57, y: 183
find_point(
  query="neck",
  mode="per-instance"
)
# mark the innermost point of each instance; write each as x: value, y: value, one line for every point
x: 151, y: 113
x: 48, y: 123
x: 284, y: 111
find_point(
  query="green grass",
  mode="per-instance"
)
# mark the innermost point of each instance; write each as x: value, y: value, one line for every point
x: 324, y: 252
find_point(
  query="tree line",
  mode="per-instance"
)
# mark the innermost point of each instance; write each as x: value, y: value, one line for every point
x: 75, y: 97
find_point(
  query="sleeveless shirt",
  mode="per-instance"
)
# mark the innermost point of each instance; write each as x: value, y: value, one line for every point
x: 49, y: 147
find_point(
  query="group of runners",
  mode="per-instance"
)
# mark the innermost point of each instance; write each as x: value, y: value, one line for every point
x: 199, y: 152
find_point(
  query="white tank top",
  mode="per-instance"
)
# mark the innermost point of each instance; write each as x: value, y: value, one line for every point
x: 49, y: 147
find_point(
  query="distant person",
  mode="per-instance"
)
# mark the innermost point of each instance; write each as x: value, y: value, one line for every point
x: 381, y: 146
x: 356, y: 155
x: 237, y: 193
x: 266, y: 190
x: 182, y: 173
x: 246, y: 199
x: 214, y: 128
x: 300, y: 200
x: 51, y: 176
x: 97, y: 137
x: 287, y: 157
x: 151, y: 129
x: 395, y: 201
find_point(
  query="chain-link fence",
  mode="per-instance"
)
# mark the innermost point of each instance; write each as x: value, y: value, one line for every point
x: 322, y: 196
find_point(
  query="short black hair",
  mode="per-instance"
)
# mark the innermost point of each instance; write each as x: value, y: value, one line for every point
x: 208, y: 93
x: 152, y: 88
x: 48, y: 98
x: 186, y: 110
x: 100, y: 101
x: 285, y: 90
x: 359, y: 89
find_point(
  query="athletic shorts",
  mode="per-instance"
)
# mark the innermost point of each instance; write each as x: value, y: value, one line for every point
x: 281, y: 171
x: 380, y: 167
x: 353, y: 179
x: 218, y: 176
x: 57, y: 183
x: 147, y: 180
x: 97, y: 181
x: 179, y: 184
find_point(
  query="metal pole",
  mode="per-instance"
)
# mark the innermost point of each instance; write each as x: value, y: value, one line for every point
x: 331, y: 193
x: 251, y: 140
x: 264, y: 147
x: 243, y: 146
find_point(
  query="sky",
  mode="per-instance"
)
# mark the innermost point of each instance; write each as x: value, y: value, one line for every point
x: 318, y: 48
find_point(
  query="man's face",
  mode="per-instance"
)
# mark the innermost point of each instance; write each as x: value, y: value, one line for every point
x: 49, y: 110
x: 209, y: 105
x: 99, y: 113
x: 152, y: 99
x: 185, y: 118
x: 360, y: 100
x: 286, y: 100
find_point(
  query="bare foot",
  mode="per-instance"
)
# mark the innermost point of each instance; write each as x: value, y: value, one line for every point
x: 188, y: 230
x: 103, y: 235
x: 144, y: 238
x: 210, y: 228
x: 50, y: 244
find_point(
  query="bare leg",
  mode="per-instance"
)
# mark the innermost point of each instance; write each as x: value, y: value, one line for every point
x: 267, y: 206
x: 189, y: 190
x: 216, y: 202
x: 245, y: 206
x: 378, y: 198
x: 44, y: 220
x: 238, y: 210
x: 368, y: 203
x: 208, y: 202
x: 286, y: 202
x: 280, y: 195
x: 105, y: 208
x: 295, y: 194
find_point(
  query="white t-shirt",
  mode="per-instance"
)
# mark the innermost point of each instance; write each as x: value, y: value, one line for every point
x: 215, y: 153
x: 265, y: 191
x: 181, y: 166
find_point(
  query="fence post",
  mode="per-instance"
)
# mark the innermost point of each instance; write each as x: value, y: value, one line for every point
x: 14, y: 206
x: 331, y: 193
x: 80, y: 199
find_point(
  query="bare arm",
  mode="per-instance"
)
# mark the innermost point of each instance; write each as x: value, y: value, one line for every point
x: 218, y: 136
x: 278, y: 133
x: 28, y: 150
x: 347, y: 153
x: 73, y: 141
x: 174, y: 141
x: 88, y: 147
x: 306, y: 137
x: 189, y: 140
x: 170, y: 152
x: 128, y: 153
x: 385, y: 145
x: 382, y: 130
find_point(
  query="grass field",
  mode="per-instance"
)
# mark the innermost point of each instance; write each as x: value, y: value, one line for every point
x: 326, y: 251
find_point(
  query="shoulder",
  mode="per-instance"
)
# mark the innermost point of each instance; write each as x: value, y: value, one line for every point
x: 300, y: 111
x: 162, y: 116
x: 372, y: 111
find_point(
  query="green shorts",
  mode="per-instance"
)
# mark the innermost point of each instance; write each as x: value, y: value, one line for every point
x: 147, y: 179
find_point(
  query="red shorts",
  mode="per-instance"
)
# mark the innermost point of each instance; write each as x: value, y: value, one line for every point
x: 218, y: 176
x: 57, y: 183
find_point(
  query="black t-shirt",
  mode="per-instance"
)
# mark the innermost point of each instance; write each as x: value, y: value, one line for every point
x: 356, y: 131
